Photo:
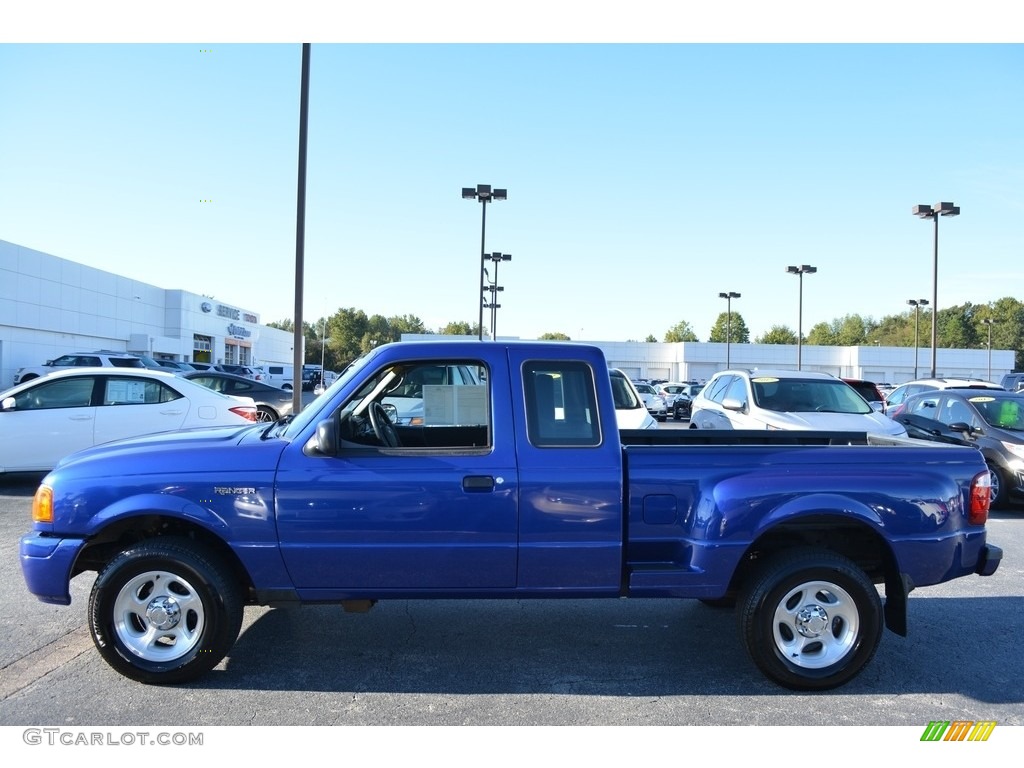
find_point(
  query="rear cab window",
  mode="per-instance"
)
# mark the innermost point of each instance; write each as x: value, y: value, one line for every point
x: 561, y: 404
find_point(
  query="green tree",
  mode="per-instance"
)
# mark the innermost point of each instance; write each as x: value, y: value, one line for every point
x: 681, y: 331
x: 554, y: 336
x: 730, y: 329
x: 651, y: 338
x: 777, y: 334
x: 285, y: 325
x: 822, y: 334
x: 459, y: 328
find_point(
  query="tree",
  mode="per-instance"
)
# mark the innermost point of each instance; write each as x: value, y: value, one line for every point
x: 777, y: 334
x: 554, y: 336
x: 681, y: 331
x: 459, y: 328
x: 285, y: 325
x: 732, y: 329
x: 651, y: 338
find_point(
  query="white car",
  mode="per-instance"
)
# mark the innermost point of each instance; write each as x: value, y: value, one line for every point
x: 800, y: 400
x: 655, y: 403
x: 630, y: 411
x: 49, y: 417
x: 102, y: 358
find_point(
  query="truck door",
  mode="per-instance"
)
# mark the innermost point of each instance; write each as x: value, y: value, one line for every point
x: 438, y: 512
x: 570, y: 474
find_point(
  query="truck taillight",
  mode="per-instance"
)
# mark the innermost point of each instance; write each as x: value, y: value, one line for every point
x: 981, y: 498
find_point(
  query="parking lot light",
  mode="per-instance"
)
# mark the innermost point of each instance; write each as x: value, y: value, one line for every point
x: 484, y: 194
x: 804, y: 269
x: 934, y: 212
x: 496, y: 258
x: 728, y: 296
x: 989, y: 322
x: 917, y: 304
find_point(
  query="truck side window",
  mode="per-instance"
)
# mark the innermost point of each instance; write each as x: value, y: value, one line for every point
x: 561, y: 404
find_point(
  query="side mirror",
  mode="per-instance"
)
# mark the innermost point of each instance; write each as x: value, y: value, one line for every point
x: 326, y: 441
x: 391, y: 411
x: 732, y: 404
x: 961, y: 426
x: 7, y: 404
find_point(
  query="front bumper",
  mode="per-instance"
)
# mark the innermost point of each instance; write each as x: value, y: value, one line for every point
x: 46, y: 564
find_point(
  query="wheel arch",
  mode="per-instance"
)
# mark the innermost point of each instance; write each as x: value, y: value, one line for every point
x: 125, y: 531
x: 853, y: 538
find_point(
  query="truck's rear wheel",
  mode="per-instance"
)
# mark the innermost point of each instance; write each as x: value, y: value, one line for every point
x: 811, y: 620
x: 165, y: 611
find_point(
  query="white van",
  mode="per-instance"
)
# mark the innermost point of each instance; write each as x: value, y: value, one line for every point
x: 280, y: 376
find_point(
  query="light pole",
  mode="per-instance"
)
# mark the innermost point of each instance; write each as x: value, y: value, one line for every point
x: 484, y: 194
x: 917, y: 304
x: 989, y: 322
x: 930, y: 212
x: 496, y: 258
x: 323, y: 346
x: 728, y: 322
x: 493, y: 305
x: 804, y: 269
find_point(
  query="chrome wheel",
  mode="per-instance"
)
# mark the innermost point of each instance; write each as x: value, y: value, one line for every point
x: 265, y: 414
x: 816, y: 624
x: 158, y: 616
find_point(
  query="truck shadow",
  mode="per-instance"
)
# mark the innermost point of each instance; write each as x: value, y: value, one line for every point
x: 635, y: 648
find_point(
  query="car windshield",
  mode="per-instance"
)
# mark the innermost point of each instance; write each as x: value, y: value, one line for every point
x: 622, y: 393
x: 807, y: 395
x: 1001, y: 412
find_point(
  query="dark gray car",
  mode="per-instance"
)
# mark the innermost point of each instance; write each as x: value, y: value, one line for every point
x: 271, y: 403
x: 991, y: 420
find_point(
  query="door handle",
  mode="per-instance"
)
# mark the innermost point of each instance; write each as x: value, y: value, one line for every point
x: 478, y: 483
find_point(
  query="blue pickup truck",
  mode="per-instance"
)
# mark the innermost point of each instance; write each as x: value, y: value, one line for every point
x: 518, y: 485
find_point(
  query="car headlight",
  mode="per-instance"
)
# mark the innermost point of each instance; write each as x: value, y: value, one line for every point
x: 1014, y: 448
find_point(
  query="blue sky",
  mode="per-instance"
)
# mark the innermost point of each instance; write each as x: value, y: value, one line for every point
x: 643, y: 178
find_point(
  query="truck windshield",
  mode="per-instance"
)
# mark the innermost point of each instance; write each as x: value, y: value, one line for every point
x: 316, y: 408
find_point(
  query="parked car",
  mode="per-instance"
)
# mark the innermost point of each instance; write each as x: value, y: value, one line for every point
x: 903, y: 391
x: 1013, y: 382
x: 786, y: 399
x: 51, y: 416
x: 654, y: 402
x: 245, y: 371
x: 870, y: 392
x: 271, y: 403
x: 630, y: 411
x: 280, y: 375
x: 174, y: 365
x: 668, y: 391
x: 683, y: 404
x: 78, y: 360
x: 992, y: 421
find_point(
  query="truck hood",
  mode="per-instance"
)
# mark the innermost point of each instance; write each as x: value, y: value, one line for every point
x: 213, y: 448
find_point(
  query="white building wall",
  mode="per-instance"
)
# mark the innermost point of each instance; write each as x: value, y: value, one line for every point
x: 51, y: 306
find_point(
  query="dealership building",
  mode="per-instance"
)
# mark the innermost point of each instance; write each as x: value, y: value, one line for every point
x: 50, y: 306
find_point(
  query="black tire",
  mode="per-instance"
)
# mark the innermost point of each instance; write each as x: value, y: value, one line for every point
x: 1000, y: 486
x: 810, y: 620
x: 171, y: 581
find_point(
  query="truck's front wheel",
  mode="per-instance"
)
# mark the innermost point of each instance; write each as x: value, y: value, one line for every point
x: 165, y: 611
x: 811, y: 620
